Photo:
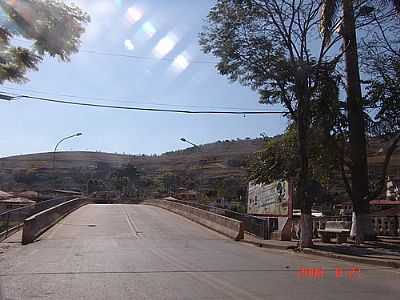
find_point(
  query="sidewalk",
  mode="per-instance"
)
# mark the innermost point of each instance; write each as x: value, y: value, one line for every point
x: 383, y: 252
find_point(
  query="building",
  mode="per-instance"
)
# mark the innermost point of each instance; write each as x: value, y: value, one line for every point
x: 386, y: 222
x: 9, y: 201
x: 393, y: 188
x: 222, y: 203
x: 187, y: 195
x: 343, y: 209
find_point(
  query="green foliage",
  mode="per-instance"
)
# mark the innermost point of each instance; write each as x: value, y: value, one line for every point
x: 279, y: 159
x: 249, y: 48
x: 380, y: 57
x: 54, y: 28
x: 129, y: 171
x: 235, y: 163
x: 126, y: 179
x: 95, y: 185
x: 26, y: 177
x: 169, y: 182
x: 231, y: 188
x: 384, y: 93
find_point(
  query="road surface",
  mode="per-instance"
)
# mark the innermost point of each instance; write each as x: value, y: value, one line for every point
x: 144, y: 252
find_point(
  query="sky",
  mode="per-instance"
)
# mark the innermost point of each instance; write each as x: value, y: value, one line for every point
x: 171, y: 72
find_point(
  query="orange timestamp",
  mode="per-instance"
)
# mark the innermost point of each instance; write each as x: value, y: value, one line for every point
x: 320, y: 273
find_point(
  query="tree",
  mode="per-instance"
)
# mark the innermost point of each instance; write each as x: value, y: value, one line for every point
x: 54, y: 28
x: 347, y: 25
x: 279, y: 159
x: 266, y: 45
x: 27, y: 177
x: 380, y: 57
x: 126, y: 178
x: 169, y: 182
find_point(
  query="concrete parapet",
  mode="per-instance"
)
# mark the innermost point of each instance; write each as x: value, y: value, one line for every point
x: 35, y: 225
x: 224, y: 225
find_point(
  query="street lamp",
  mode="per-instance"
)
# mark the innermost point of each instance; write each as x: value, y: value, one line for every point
x: 55, y: 148
x: 189, y: 142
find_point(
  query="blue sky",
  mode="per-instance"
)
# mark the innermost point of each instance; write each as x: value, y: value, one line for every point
x: 166, y: 34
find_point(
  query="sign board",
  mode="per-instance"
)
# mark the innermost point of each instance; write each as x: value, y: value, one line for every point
x: 273, y: 199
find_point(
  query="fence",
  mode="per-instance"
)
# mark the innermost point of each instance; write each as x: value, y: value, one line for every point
x: 260, y: 227
x: 11, y: 220
x: 318, y: 224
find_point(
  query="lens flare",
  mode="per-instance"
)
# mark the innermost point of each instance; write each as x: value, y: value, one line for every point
x: 149, y: 29
x: 181, y: 62
x: 129, y: 45
x: 134, y: 15
x: 165, y: 45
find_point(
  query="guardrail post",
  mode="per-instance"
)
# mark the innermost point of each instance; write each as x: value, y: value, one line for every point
x: 264, y: 233
x: 8, y: 224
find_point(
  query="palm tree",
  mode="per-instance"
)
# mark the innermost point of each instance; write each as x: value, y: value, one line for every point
x: 357, y: 135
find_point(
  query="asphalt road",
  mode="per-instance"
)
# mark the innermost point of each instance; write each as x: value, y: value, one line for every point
x: 144, y: 252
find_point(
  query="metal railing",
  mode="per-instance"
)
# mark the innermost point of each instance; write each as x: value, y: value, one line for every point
x: 260, y: 227
x: 12, y: 219
x: 319, y: 223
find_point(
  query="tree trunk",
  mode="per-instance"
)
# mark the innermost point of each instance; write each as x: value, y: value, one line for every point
x: 361, y: 228
x: 358, y: 143
x: 306, y: 230
x: 302, y: 132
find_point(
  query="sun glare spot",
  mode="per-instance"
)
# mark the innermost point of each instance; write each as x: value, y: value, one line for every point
x: 129, y: 45
x: 134, y: 15
x: 165, y: 45
x: 181, y: 62
x: 149, y: 29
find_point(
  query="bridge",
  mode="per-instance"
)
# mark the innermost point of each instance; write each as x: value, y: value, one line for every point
x: 122, y: 251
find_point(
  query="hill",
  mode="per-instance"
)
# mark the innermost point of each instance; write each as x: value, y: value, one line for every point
x: 197, y: 168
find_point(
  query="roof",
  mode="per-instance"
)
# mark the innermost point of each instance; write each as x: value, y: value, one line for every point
x: 67, y: 192
x: 4, y: 195
x: 18, y: 200
x: 188, y: 193
x: 390, y: 212
x: 29, y: 194
x: 384, y: 202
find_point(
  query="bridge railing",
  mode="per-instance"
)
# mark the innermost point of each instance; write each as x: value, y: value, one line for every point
x: 260, y: 227
x: 13, y: 219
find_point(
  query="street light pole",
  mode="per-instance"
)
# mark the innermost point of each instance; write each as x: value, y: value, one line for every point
x: 189, y: 142
x: 197, y: 148
x: 59, y: 142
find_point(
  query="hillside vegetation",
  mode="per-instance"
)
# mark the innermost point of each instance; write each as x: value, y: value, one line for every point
x: 203, y: 169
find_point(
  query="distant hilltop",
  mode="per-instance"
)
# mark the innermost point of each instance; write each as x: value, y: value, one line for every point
x: 222, y: 158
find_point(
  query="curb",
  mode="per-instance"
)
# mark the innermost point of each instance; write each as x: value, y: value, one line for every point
x: 262, y: 245
x: 391, y: 264
x: 358, y: 259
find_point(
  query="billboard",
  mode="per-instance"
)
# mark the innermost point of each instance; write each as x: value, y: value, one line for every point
x: 273, y: 199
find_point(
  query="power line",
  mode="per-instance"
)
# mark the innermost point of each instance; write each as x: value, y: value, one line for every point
x: 143, y: 57
x: 6, y: 97
x: 118, y: 101
x: 138, y: 57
